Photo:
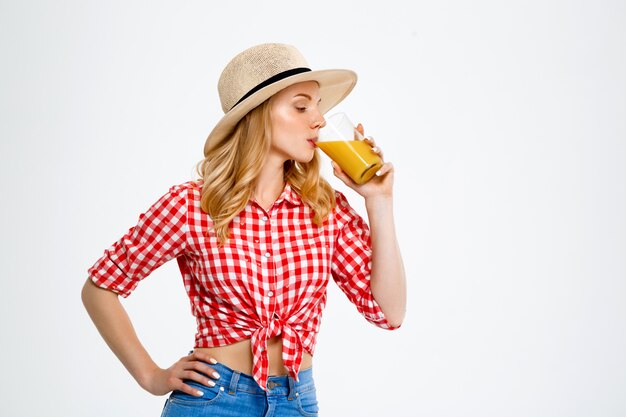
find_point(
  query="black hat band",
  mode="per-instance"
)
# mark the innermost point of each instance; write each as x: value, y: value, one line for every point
x: 272, y: 80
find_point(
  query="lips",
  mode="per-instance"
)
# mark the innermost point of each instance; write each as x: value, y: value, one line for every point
x: 312, y: 141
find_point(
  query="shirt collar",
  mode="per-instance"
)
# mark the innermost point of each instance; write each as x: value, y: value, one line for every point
x: 289, y: 195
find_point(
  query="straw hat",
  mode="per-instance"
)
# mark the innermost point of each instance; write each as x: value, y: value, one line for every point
x: 259, y: 72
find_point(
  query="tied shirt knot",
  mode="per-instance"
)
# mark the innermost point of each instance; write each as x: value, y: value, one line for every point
x: 291, y: 354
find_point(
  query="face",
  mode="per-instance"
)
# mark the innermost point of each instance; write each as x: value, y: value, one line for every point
x: 296, y: 119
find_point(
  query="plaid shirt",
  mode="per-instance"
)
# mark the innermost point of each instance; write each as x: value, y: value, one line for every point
x: 268, y: 279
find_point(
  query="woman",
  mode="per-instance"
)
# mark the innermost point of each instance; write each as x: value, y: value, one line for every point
x: 256, y: 239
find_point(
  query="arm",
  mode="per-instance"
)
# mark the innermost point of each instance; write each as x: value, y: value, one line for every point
x: 387, y: 280
x: 159, y: 236
x: 113, y: 323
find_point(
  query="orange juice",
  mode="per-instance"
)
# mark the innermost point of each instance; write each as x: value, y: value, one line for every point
x: 355, y: 158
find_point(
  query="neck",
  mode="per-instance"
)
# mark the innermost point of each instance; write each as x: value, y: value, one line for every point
x: 270, y: 183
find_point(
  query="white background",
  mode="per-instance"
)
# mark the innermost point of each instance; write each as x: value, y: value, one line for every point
x: 505, y: 120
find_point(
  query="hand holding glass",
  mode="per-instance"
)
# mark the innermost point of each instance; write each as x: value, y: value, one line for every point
x: 344, y: 144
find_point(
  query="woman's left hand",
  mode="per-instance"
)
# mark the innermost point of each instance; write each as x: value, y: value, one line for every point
x: 381, y: 183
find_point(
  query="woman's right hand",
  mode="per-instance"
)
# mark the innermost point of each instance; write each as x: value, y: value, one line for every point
x: 193, y: 367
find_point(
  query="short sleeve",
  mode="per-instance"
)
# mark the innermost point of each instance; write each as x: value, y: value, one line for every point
x: 352, y: 262
x: 159, y: 236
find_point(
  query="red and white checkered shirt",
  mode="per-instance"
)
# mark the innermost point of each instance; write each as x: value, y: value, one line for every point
x: 268, y: 279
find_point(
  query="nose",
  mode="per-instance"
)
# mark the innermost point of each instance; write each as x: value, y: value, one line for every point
x: 320, y: 122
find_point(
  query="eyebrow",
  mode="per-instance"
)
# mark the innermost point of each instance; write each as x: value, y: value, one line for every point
x: 305, y: 95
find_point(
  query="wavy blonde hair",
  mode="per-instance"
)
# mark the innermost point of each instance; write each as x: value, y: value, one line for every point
x: 232, y: 166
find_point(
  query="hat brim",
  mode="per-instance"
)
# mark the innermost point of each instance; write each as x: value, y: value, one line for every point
x: 335, y: 85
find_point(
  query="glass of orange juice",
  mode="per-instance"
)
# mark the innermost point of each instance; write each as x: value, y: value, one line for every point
x: 340, y: 140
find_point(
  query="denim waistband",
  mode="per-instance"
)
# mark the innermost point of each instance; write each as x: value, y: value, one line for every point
x: 233, y: 381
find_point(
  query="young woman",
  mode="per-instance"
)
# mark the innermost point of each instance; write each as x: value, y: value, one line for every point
x: 256, y: 238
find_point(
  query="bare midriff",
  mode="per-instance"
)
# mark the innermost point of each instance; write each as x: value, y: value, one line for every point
x: 238, y: 356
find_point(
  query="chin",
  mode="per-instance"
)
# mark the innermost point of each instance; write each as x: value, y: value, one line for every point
x: 304, y: 158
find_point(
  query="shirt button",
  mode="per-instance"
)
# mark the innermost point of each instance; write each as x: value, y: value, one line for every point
x: 264, y: 218
x: 270, y: 293
x: 267, y: 254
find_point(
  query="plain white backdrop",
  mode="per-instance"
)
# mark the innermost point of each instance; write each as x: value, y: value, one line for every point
x: 506, y: 121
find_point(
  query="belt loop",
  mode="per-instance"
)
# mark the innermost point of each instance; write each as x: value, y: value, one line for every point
x: 292, y: 388
x: 234, y: 380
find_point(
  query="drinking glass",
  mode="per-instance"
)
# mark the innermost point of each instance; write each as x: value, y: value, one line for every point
x: 344, y: 144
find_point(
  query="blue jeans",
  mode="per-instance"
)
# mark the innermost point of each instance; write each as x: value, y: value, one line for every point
x: 236, y: 394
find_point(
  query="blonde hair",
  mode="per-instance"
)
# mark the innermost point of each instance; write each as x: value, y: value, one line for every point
x: 232, y: 166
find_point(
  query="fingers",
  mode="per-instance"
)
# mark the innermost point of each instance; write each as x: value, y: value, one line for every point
x: 189, y: 390
x: 194, y: 368
x: 340, y: 174
x: 385, y: 169
x: 201, y: 356
x: 199, y: 373
x: 360, y: 129
x: 369, y: 140
x: 375, y: 149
